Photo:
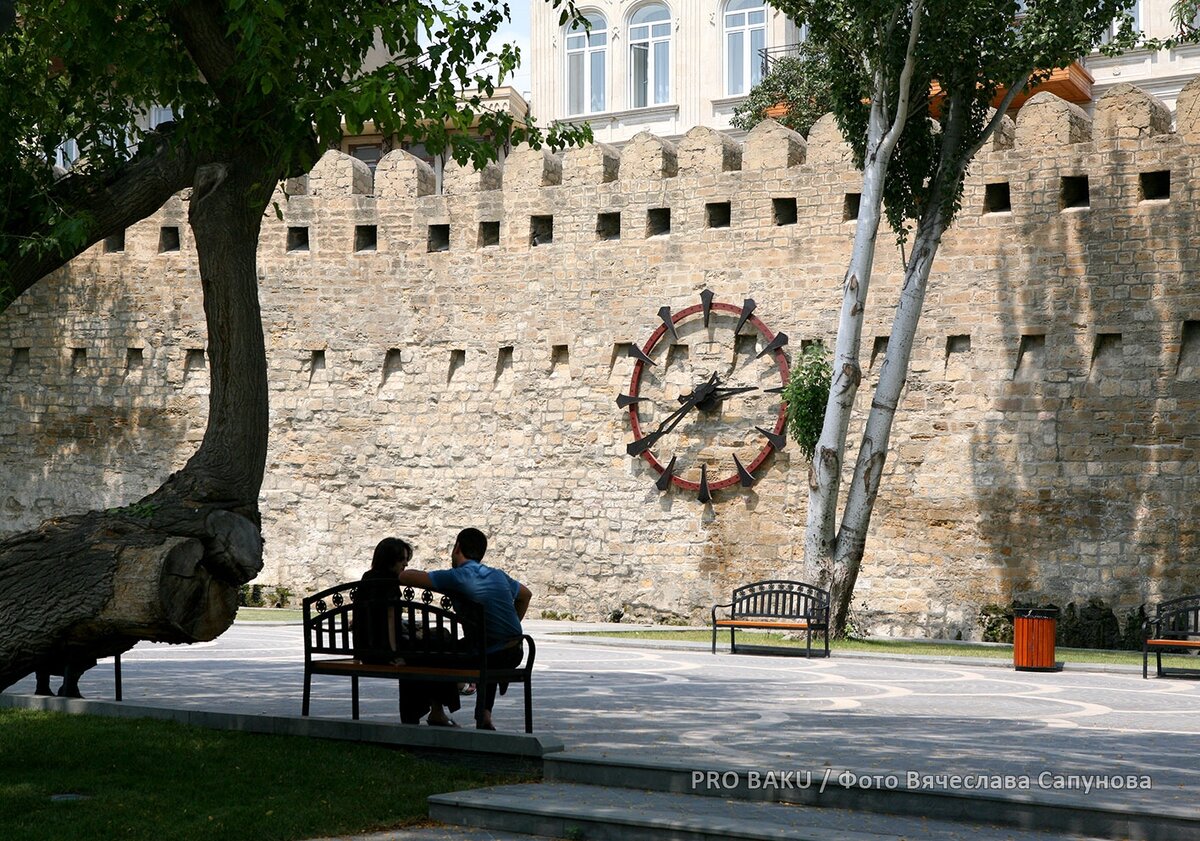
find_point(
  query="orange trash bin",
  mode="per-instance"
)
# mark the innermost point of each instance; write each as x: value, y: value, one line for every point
x: 1033, y: 639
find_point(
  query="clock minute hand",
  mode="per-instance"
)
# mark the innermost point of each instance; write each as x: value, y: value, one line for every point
x: 722, y: 393
x: 636, y: 448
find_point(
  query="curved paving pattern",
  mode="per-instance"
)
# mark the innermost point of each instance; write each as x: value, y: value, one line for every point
x: 873, y: 716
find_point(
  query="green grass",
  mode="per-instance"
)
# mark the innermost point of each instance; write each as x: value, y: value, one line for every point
x: 268, y: 614
x: 881, y: 646
x: 163, y: 781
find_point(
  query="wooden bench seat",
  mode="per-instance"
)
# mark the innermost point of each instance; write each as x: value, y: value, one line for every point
x: 775, y: 606
x: 426, y: 633
x: 1175, y: 625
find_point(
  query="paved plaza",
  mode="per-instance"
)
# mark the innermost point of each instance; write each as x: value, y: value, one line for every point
x: 871, y: 716
x: 1079, y: 737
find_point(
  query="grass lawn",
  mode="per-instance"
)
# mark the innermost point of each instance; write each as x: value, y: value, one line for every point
x: 269, y: 614
x: 884, y: 646
x: 144, y: 780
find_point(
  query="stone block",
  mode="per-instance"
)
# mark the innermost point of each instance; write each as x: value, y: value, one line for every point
x: 1047, y: 121
x: 703, y: 151
x: 1129, y: 113
x: 340, y: 175
x: 770, y: 145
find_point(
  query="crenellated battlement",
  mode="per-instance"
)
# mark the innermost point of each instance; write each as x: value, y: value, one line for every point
x: 442, y: 357
x: 1129, y: 126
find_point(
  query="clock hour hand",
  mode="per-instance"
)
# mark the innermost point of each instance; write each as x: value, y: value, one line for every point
x: 672, y: 420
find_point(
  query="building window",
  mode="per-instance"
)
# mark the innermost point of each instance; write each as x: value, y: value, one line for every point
x: 368, y: 153
x: 586, y: 53
x: 1134, y: 12
x: 745, y: 36
x: 650, y: 55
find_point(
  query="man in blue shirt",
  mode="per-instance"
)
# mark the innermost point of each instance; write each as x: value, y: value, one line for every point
x: 504, y: 602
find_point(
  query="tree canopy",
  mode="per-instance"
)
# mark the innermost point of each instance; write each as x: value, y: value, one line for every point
x: 280, y: 76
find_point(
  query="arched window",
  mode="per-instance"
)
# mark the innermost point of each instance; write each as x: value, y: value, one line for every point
x: 585, y: 65
x: 745, y: 35
x: 650, y: 56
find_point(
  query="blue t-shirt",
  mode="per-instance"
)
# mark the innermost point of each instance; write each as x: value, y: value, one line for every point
x: 487, y: 586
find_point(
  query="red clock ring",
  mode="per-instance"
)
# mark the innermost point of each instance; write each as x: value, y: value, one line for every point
x: 636, y: 381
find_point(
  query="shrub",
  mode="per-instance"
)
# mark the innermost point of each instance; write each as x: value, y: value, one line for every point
x: 806, y: 394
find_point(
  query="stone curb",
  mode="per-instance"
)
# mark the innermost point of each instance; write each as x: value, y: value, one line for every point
x: 466, y: 740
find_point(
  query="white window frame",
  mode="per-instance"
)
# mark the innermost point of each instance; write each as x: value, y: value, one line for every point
x: 1134, y: 12
x: 750, y: 57
x: 650, y: 41
x: 587, y: 51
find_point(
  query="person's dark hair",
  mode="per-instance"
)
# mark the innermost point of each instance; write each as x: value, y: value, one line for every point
x: 472, y: 543
x: 388, y: 551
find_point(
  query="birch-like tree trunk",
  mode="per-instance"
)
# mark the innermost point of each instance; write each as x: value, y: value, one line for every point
x: 883, y: 132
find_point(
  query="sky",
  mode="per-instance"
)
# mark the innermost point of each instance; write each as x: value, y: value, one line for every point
x: 517, y: 32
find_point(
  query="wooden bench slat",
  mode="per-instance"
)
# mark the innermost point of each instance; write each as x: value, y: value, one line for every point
x: 1190, y: 643
x: 749, y: 623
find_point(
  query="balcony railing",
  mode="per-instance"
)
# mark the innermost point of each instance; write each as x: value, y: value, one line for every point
x: 770, y: 55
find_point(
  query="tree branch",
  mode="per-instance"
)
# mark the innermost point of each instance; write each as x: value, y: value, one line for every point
x: 137, y: 190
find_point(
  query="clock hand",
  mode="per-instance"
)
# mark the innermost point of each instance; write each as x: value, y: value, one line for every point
x: 722, y: 393
x: 672, y: 420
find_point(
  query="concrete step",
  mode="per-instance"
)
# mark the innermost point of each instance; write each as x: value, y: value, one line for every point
x: 1109, y: 814
x: 599, y: 813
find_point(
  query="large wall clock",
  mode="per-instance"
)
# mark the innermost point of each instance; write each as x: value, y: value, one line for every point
x: 704, y: 401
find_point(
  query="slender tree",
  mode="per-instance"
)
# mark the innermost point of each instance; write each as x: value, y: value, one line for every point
x: 258, y: 90
x: 979, y: 52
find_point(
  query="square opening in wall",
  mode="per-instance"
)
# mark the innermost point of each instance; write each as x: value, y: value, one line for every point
x: 114, y: 244
x: 78, y: 359
x: 316, y: 367
x: 850, y: 206
x: 392, y: 365
x: 1074, y: 192
x: 784, y: 211
x: 1188, y: 366
x: 957, y: 344
x: 1155, y: 186
x: 658, y: 221
x: 997, y: 198
x: 1031, y: 357
x: 20, y: 361
x: 168, y: 239
x: 489, y: 234
x: 717, y: 214
x: 297, y: 238
x: 439, y: 238
x: 458, y: 358
x: 134, y: 360
x: 560, y: 362
x: 504, y: 364
x: 608, y: 226
x: 541, y: 230
x: 366, y: 237
x: 878, y: 351
x: 1107, y: 354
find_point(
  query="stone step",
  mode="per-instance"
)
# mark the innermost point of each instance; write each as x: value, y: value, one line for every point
x: 600, y: 813
x: 1098, y: 814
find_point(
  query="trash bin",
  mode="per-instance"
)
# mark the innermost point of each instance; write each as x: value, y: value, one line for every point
x: 1033, y: 639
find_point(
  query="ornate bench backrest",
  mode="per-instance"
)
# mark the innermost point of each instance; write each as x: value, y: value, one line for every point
x: 422, y: 627
x: 780, y: 599
x: 1179, y: 617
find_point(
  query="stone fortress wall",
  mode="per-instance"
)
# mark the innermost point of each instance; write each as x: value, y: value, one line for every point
x: 447, y: 360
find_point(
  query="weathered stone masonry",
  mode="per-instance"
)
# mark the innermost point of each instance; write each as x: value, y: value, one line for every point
x: 432, y: 366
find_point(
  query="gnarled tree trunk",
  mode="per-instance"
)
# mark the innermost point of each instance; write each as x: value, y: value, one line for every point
x: 168, y: 567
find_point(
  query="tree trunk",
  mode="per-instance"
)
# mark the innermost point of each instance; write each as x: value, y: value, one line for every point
x: 825, y: 472
x: 872, y: 454
x: 168, y: 567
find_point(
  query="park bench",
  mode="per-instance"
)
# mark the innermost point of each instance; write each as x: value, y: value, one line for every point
x: 435, y: 643
x: 789, y: 606
x: 1175, y: 625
